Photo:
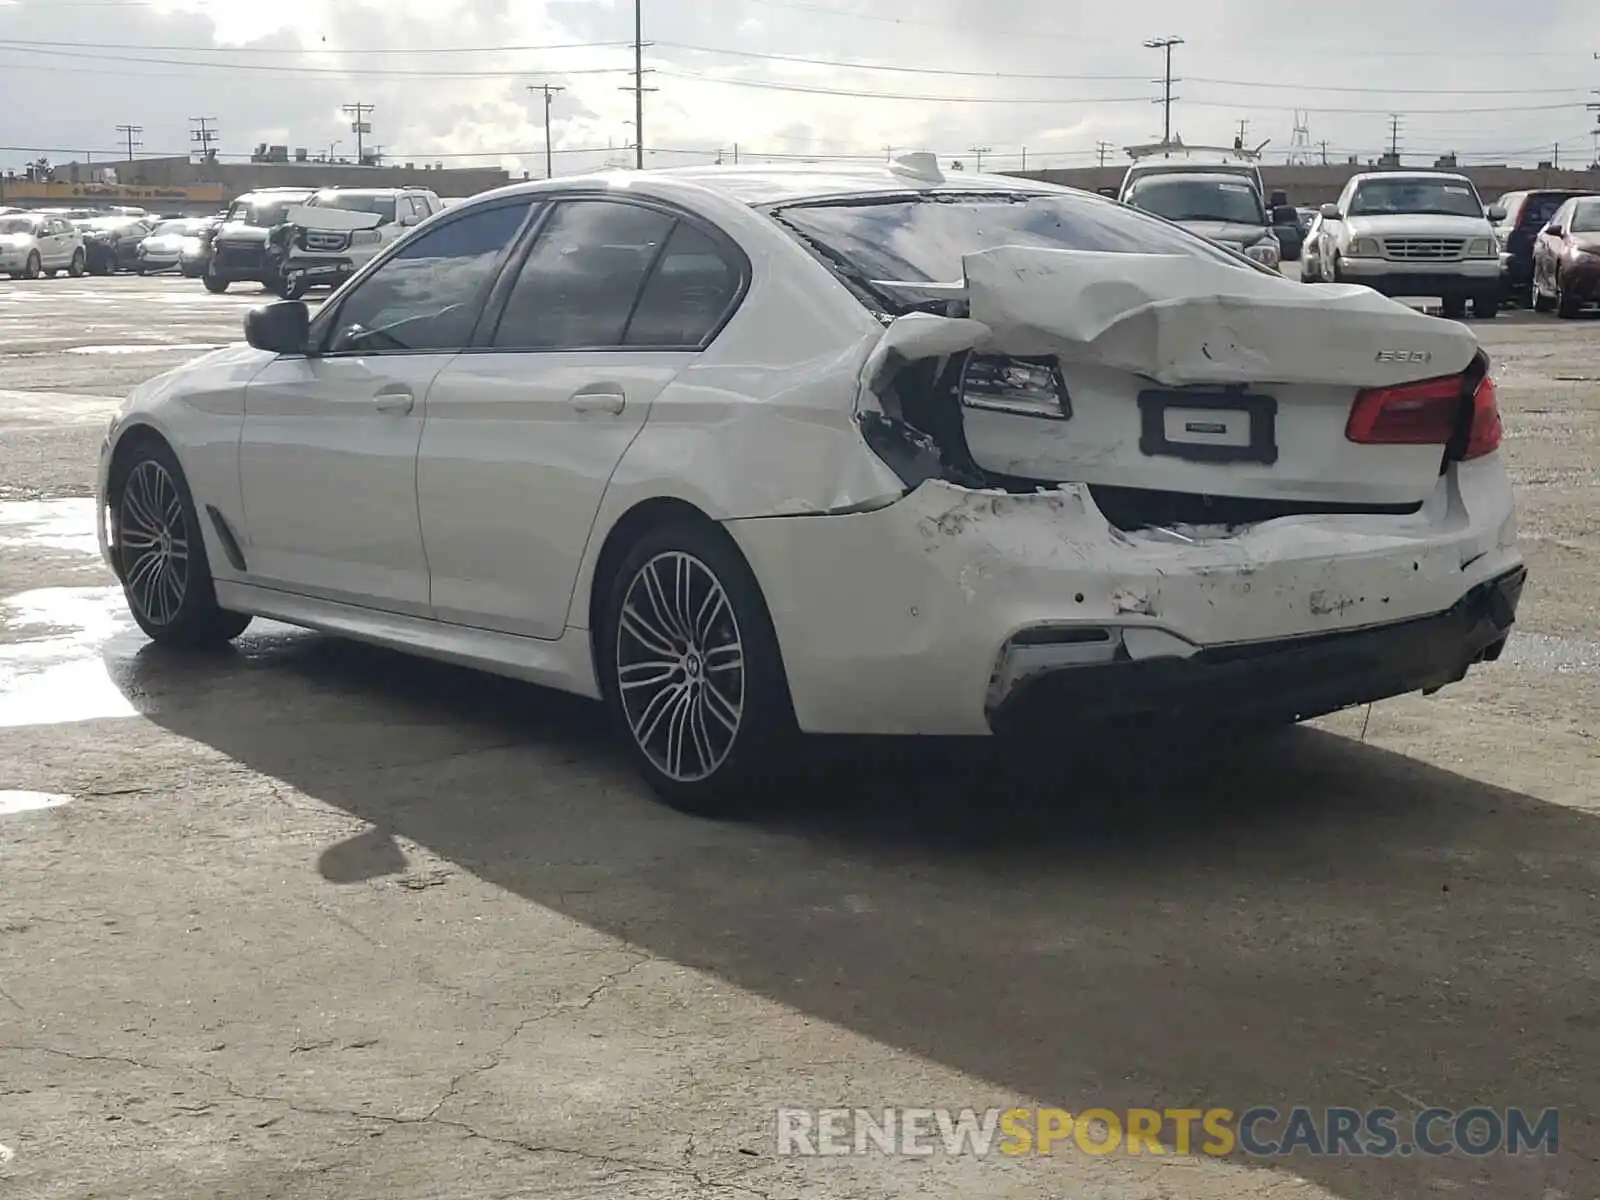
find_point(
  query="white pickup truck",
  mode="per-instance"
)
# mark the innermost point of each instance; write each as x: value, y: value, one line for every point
x: 1414, y: 234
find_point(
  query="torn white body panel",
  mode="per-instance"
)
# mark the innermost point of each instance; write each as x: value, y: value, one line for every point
x: 331, y: 220
x: 1181, y: 320
x: 1125, y: 328
x: 893, y: 621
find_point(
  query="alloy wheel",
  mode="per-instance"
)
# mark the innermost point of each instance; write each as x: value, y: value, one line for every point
x: 680, y: 667
x: 153, y: 543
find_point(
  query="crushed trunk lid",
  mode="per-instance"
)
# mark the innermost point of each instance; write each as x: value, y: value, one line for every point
x: 1183, y: 374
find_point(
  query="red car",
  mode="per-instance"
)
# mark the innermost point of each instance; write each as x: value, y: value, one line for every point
x: 1566, y: 258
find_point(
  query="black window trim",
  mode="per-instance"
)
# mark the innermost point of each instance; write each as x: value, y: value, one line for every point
x: 326, y: 321
x: 500, y: 295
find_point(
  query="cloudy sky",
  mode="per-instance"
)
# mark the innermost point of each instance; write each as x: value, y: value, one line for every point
x: 448, y: 79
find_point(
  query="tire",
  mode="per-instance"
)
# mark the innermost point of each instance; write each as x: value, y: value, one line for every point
x: 290, y: 291
x: 1566, y: 307
x: 214, y: 285
x: 1484, y: 308
x: 722, y: 687
x: 78, y: 265
x: 1539, y: 302
x: 160, y: 554
x: 1455, y: 307
x: 34, y: 268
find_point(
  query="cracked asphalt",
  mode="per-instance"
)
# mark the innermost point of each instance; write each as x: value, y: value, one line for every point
x: 314, y: 920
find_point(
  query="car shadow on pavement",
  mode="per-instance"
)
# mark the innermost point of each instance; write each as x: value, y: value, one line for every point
x: 1306, y: 921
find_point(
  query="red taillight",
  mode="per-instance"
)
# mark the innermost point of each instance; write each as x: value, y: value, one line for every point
x: 1485, y: 432
x: 1428, y: 414
x: 1411, y: 414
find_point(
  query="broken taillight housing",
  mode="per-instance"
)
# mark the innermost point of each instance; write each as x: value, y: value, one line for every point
x: 1428, y: 413
x: 1024, y: 387
x: 1485, y: 432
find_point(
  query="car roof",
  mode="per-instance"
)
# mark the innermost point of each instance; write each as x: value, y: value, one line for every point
x: 770, y: 184
x: 354, y: 191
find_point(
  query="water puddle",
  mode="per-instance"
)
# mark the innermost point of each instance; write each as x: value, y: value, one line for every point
x: 12, y: 802
x: 57, y: 524
x: 51, y: 669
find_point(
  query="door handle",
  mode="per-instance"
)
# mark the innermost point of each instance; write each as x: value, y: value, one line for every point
x: 605, y: 397
x: 394, y: 400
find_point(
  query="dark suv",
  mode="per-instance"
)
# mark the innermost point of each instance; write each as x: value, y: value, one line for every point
x: 1526, y: 214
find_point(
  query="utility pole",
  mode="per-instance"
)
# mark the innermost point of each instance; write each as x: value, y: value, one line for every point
x: 1595, y: 133
x: 203, y: 135
x: 888, y: 154
x: 1024, y: 158
x: 359, y: 126
x: 1166, y: 44
x: 1323, y: 146
x: 549, y: 91
x: 131, y: 132
x: 1244, y: 128
x: 977, y: 156
x: 638, y: 89
x: 1102, y: 149
x: 1394, y: 137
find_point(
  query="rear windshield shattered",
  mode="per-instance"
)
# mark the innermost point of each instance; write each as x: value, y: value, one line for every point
x: 922, y: 239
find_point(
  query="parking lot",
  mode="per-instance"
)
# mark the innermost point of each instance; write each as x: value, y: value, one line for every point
x: 316, y: 920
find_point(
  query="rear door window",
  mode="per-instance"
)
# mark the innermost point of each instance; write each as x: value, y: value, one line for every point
x: 578, y: 286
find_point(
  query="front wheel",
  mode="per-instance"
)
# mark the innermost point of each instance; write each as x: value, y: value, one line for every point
x: 161, y: 555
x: 1485, y: 307
x: 34, y: 267
x: 1539, y: 302
x: 692, y: 672
x: 214, y: 285
x: 1454, y: 307
x: 77, y: 266
x: 291, y: 291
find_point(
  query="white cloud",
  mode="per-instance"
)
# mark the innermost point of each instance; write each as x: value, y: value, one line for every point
x: 1489, y: 85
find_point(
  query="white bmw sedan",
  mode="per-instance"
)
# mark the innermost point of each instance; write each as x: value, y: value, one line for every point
x: 753, y: 451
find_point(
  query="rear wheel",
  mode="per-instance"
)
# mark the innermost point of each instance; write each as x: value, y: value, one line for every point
x: 1567, y: 306
x: 692, y: 673
x: 214, y: 284
x: 1454, y: 307
x: 1485, y: 307
x: 161, y: 555
x: 77, y: 266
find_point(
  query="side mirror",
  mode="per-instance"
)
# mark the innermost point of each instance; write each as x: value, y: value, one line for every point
x: 1108, y: 191
x: 1280, y: 199
x: 1330, y: 212
x: 409, y: 219
x: 1556, y: 231
x: 1496, y: 213
x: 283, y: 327
x: 1284, y: 215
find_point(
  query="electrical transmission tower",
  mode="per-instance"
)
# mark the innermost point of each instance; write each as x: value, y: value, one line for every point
x: 1300, y: 143
x: 203, y: 135
x: 360, y: 126
x: 1165, y: 44
x: 131, y: 133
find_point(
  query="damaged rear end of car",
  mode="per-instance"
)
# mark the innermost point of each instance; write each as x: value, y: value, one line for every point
x: 1146, y: 482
